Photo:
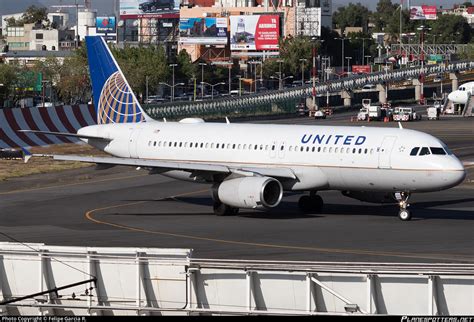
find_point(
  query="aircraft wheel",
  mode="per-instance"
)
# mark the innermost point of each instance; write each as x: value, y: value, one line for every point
x: 404, y: 215
x: 305, y: 203
x: 221, y: 209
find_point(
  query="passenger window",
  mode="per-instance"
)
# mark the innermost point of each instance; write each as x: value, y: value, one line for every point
x: 330, y: 150
x: 282, y: 148
x: 273, y: 148
x: 261, y: 146
x: 353, y: 150
x: 233, y: 146
x: 336, y: 150
x: 291, y: 148
x: 324, y: 149
x: 414, y: 151
x: 313, y: 149
x: 217, y: 146
x: 207, y: 145
x: 365, y: 151
x: 424, y: 151
x: 307, y: 149
x: 256, y: 147
x: 180, y: 144
x: 319, y: 149
x: 202, y: 145
x: 438, y: 151
x: 302, y: 149
x: 360, y: 151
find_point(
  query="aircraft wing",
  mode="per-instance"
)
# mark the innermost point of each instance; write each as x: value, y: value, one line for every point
x: 179, y: 165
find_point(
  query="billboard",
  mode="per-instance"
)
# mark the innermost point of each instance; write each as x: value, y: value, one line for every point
x: 134, y: 9
x: 423, y: 13
x: 254, y: 32
x: 206, y: 31
x: 105, y: 25
x: 361, y: 69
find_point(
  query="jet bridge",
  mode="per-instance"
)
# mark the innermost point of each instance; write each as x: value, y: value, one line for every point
x: 37, y: 279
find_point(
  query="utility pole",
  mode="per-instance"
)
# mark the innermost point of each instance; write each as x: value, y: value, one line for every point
x: 342, y: 56
x: 303, y: 61
x: 202, y: 79
x: 172, y: 87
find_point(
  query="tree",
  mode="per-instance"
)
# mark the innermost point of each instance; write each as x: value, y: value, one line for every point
x: 34, y: 14
x: 74, y: 85
x: 450, y: 28
x: 8, y: 78
x: 185, y: 69
x: 385, y: 15
x: 352, y: 15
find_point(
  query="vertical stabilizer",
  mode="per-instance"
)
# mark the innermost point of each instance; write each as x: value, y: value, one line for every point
x: 114, y: 99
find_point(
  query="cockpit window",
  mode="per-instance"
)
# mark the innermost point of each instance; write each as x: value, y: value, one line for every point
x: 414, y: 151
x: 437, y: 151
x: 425, y: 151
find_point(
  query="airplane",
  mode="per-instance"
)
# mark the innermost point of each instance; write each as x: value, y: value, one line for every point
x: 461, y: 95
x: 250, y: 166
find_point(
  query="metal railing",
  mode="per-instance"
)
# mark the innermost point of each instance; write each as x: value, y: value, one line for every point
x: 285, y: 99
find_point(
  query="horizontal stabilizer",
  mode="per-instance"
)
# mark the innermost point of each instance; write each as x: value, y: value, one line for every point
x: 73, y: 135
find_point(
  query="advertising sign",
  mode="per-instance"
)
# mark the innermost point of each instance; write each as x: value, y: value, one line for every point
x: 361, y: 69
x: 105, y: 25
x: 254, y: 32
x: 134, y: 9
x: 423, y: 13
x: 205, y: 31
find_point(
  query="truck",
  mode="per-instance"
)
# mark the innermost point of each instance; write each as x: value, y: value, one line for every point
x: 405, y: 114
x: 374, y: 112
x: 363, y: 114
x: 434, y: 111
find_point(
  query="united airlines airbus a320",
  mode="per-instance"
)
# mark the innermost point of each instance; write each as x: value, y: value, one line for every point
x: 250, y: 165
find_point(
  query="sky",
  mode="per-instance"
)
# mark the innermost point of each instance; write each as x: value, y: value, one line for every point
x: 105, y: 7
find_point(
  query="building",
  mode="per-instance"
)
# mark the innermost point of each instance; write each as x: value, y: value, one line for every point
x: 36, y: 37
x: 463, y: 11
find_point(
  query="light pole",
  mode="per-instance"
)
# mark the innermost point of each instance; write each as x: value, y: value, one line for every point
x: 255, y: 63
x: 172, y: 88
x: 303, y: 61
x: 422, y: 28
x: 240, y: 84
x: 280, y: 84
x: 212, y: 87
x: 363, y: 47
x: 146, y: 92
x: 348, y: 64
x: 342, y: 55
x: 281, y: 79
x: 202, y: 78
x: 368, y: 57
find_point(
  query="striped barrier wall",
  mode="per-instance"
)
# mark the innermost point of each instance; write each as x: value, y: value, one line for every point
x: 54, y: 119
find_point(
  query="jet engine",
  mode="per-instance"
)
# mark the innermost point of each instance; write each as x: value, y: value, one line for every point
x: 249, y: 192
x: 369, y: 196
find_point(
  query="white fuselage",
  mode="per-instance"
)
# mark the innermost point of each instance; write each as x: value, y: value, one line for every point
x: 321, y: 157
x: 461, y: 95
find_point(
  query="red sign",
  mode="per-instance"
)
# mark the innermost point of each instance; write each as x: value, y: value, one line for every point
x: 267, y: 33
x: 361, y: 69
x: 254, y: 32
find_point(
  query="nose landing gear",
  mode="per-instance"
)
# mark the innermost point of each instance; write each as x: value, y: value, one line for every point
x: 402, y: 198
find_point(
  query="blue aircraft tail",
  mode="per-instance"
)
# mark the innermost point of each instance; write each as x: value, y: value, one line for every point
x: 114, y: 99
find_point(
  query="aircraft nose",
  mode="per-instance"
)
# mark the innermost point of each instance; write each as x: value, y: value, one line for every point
x: 452, y: 96
x: 457, y: 173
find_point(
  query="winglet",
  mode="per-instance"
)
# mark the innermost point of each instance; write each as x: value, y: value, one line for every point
x: 26, y: 155
x: 400, y: 125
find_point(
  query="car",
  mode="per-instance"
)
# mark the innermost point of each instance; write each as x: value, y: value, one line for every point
x: 234, y: 92
x: 369, y: 87
x: 153, y: 6
x: 319, y: 115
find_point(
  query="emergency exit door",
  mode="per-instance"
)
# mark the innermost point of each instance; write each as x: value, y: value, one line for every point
x: 385, y: 152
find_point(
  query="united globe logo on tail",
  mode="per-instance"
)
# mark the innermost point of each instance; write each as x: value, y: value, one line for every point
x: 113, y: 96
x: 117, y: 103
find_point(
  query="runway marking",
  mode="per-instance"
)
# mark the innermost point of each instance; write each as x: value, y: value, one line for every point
x: 71, y: 184
x: 89, y: 216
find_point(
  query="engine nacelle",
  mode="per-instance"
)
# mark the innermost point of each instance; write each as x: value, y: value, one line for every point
x: 249, y: 192
x: 373, y: 197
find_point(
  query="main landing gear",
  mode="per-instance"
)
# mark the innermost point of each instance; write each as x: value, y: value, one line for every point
x: 311, y: 203
x: 402, y: 198
x: 221, y: 209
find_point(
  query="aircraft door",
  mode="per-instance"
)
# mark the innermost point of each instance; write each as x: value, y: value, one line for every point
x: 385, y: 151
x: 133, y: 143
